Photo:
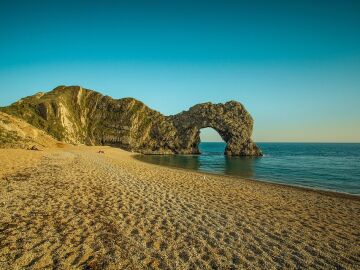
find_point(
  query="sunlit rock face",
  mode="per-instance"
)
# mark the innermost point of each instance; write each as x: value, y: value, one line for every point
x: 230, y: 120
x: 80, y: 116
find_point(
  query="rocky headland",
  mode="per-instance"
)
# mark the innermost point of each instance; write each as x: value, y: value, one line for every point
x: 80, y: 116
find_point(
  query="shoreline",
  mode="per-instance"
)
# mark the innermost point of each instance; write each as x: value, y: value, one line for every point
x: 74, y: 208
x: 262, y: 181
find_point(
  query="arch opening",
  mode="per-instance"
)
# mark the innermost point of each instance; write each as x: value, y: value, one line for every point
x: 211, y: 142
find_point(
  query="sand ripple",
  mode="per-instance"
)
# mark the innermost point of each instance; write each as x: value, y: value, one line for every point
x: 76, y: 209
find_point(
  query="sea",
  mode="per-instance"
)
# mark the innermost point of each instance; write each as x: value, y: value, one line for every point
x: 325, y: 166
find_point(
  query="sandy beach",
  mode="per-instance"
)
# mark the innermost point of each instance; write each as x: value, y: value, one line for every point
x: 73, y: 208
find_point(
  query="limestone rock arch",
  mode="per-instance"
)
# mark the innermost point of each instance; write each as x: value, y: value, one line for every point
x: 230, y: 120
x: 77, y: 115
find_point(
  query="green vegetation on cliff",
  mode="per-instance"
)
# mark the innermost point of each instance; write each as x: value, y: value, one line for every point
x: 81, y: 116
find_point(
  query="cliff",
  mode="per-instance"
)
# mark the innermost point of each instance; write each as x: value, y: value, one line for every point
x: 80, y: 116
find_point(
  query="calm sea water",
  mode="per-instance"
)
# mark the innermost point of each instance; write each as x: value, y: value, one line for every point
x: 328, y: 166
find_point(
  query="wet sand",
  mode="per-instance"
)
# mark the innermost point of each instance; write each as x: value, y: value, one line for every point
x: 73, y: 208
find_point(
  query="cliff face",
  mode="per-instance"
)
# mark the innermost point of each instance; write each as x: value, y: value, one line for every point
x: 76, y: 115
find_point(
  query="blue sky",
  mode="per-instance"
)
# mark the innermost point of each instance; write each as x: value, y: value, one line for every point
x: 295, y: 65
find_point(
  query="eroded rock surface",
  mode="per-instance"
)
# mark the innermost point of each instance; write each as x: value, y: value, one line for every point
x: 80, y: 116
x: 230, y: 120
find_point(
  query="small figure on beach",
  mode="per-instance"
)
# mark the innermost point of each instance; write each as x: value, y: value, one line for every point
x: 101, y: 152
x: 34, y: 148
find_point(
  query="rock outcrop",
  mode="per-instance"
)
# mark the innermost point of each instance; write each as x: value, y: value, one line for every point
x: 16, y: 133
x: 80, y: 116
x: 230, y: 120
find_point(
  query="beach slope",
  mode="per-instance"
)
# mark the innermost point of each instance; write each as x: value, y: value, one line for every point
x: 73, y: 208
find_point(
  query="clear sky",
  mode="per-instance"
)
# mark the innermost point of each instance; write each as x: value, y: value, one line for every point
x: 295, y: 65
